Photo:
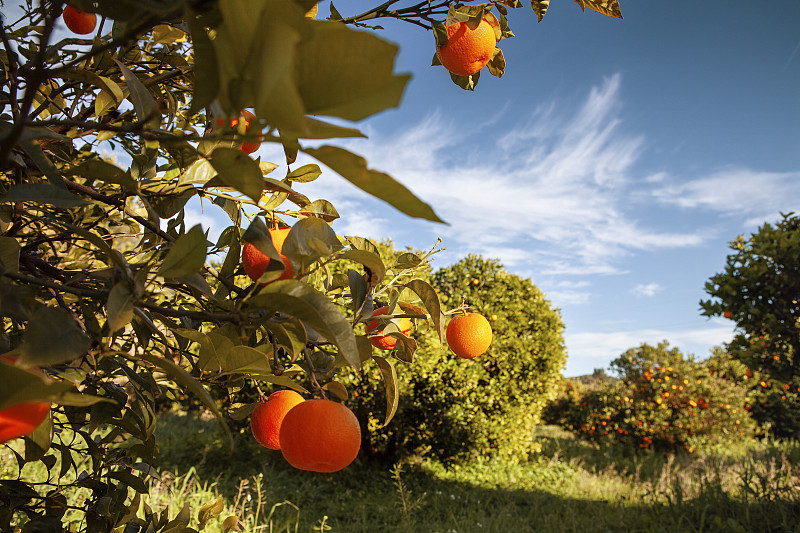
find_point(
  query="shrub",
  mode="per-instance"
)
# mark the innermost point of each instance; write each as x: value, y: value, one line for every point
x: 666, y: 401
x: 455, y: 409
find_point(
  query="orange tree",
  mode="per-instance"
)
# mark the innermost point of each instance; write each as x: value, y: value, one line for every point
x: 665, y: 401
x: 759, y: 290
x: 457, y: 410
x: 104, y: 139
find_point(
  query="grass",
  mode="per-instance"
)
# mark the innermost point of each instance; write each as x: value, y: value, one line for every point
x: 571, y: 486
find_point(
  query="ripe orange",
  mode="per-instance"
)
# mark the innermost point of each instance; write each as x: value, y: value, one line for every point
x: 19, y: 420
x: 320, y: 436
x: 267, y: 417
x: 469, y: 335
x: 467, y: 51
x: 727, y: 314
x: 78, y: 21
x: 247, y: 147
x: 386, y: 342
x: 255, y: 261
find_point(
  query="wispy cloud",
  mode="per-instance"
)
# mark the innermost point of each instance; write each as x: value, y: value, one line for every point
x: 646, y: 290
x: 551, y: 196
x: 742, y: 192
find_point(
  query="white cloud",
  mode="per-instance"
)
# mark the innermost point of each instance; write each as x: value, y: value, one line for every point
x: 552, y: 196
x: 646, y: 290
x: 589, y: 350
x: 758, y: 195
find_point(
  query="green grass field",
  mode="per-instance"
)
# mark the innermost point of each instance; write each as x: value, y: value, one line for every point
x: 570, y: 486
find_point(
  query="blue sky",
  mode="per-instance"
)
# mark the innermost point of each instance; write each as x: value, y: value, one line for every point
x: 611, y: 165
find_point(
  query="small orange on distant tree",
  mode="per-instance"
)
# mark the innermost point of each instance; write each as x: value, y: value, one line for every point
x: 467, y: 51
x: 320, y: 436
x: 386, y: 342
x: 727, y: 314
x: 255, y: 262
x: 268, y: 415
x: 469, y: 335
x: 79, y: 21
x: 476, y: 281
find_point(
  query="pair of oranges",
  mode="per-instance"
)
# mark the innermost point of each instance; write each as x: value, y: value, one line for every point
x: 314, y: 435
x: 468, y: 335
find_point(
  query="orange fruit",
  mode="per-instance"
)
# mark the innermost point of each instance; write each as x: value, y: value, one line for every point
x: 247, y: 147
x: 21, y: 419
x: 320, y: 436
x: 267, y: 417
x: 386, y: 342
x: 78, y: 21
x: 467, y: 51
x: 255, y: 261
x: 727, y: 314
x: 469, y: 335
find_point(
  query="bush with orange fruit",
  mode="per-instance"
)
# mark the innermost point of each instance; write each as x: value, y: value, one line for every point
x: 664, y: 401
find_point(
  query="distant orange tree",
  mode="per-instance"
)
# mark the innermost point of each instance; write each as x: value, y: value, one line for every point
x: 760, y: 291
x: 665, y: 401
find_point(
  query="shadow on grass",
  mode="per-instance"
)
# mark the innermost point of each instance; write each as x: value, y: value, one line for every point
x: 569, y: 487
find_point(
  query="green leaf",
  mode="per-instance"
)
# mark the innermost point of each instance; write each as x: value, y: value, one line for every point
x: 9, y: 254
x: 42, y: 193
x: 199, y: 172
x: 337, y: 389
x: 346, y: 73
x: 52, y: 337
x: 354, y: 169
x: 304, y: 174
x: 238, y: 170
x: 206, y: 69
x: 144, y: 104
x: 358, y: 290
x: 169, y: 205
x: 210, y: 510
x: 107, y: 85
x: 371, y: 260
x: 38, y: 443
x: 106, y: 172
x: 18, y: 385
x: 131, y: 480
x: 281, y: 381
x: 290, y: 334
x: 497, y: 65
x: 317, y: 129
x: 310, y: 239
x: 390, y: 382
x: 468, y: 83
x: 245, y: 360
x: 610, y: 8
x: 321, y: 209
x: 16, y: 301
x: 119, y: 307
x: 314, y: 309
x: 430, y: 299
x: 186, y: 256
x: 540, y: 8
